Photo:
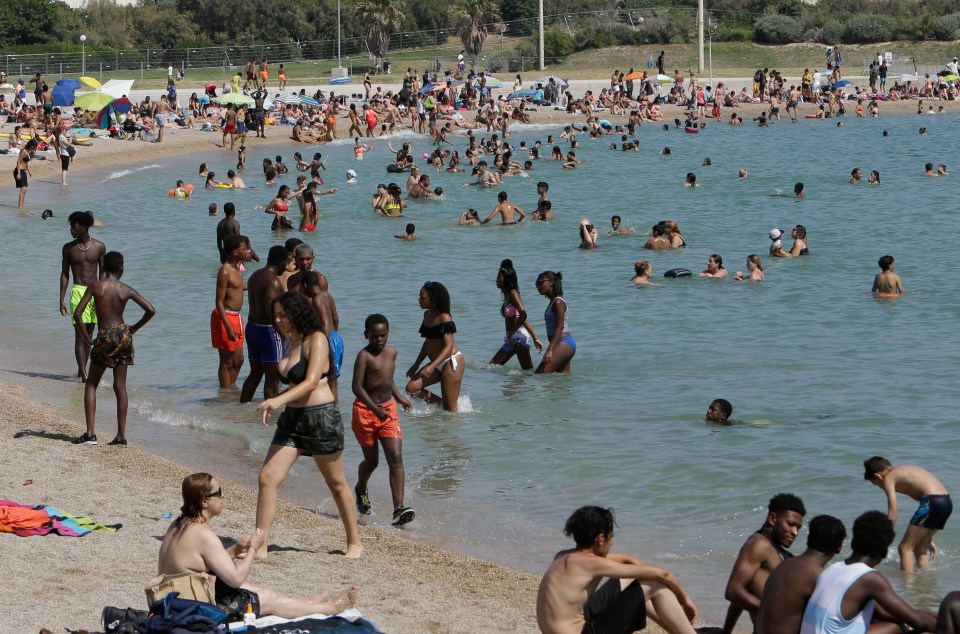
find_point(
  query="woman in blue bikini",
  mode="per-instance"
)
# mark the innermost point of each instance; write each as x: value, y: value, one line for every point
x: 446, y: 363
x: 562, y: 346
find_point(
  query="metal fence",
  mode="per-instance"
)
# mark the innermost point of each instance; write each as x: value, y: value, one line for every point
x: 432, y: 44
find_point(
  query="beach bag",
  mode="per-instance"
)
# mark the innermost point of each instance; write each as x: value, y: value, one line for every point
x: 173, y: 615
x: 122, y: 620
x: 191, y: 585
x: 71, y: 151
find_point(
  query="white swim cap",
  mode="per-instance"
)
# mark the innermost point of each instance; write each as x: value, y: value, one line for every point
x: 775, y: 234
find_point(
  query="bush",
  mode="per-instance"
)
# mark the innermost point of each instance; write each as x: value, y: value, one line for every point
x: 778, y: 29
x: 558, y: 44
x: 813, y: 35
x: 832, y: 33
x: 669, y: 28
x: 733, y: 34
x: 947, y: 27
x: 868, y: 28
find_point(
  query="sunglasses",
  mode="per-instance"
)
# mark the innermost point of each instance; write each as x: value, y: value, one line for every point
x: 216, y: 494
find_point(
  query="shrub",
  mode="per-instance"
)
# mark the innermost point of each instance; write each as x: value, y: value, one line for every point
x: 507, y: 60
x: 733, y: 34
x: 778, y: 29
x: 814, y: 35
x: 947, y: 27
x: 558, y: 44
x: 868, y: 28
x: 832, y: 32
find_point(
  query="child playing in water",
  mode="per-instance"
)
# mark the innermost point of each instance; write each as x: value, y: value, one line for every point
x: 934, y: 510
x: 242, y: 158
x: 887, y: 283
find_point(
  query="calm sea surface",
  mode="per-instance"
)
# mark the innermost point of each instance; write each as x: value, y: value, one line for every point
x: 823, y: 374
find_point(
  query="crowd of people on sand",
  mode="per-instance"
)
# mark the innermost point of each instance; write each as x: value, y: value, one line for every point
x: 291, y: 338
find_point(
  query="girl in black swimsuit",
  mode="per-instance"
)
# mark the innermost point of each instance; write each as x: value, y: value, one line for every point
x: 446, y: 363
x: 310, y: 424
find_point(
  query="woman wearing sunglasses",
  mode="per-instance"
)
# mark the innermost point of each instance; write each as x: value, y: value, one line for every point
x: 445, y: 361
x: 194, y: 563
x: 562, y: 346
x: 310, y: 424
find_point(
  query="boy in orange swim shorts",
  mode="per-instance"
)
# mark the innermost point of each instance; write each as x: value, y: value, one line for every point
x: 375, y: 416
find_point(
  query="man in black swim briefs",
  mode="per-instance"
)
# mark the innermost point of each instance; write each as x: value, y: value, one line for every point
x: 763, y: 551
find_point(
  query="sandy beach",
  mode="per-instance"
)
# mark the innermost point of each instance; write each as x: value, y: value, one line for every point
x: 403, y: 586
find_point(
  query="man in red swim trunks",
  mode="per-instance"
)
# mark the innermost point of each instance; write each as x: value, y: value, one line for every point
x: 226, y: 324
x: 229, y: 127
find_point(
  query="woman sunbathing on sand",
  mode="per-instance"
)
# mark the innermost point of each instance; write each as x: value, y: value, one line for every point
x: 194, y: 563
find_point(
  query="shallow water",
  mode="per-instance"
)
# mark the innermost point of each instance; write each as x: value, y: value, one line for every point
x: 830, y: 375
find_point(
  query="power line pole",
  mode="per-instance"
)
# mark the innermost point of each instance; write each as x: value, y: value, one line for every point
x: 700, y: 35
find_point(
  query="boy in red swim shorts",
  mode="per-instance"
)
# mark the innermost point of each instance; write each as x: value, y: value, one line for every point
x: 226, y: 325
x: 375, y: 416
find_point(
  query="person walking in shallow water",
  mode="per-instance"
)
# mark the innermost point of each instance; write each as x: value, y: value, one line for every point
x: 445, y: 361
x: 562, y: 345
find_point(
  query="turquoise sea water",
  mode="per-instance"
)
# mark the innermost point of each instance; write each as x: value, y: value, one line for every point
x: 835, y: 375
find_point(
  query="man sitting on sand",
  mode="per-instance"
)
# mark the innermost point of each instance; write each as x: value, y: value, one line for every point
x: 789, y: 586
x: 760, y: 555
x: 849, y: 592
x: 569, y: 602
x: 194, y: 563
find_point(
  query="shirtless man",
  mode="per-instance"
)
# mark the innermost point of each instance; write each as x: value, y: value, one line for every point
x: 114, y: 345
x: 790, y: 585
x: 421, y: 189
x: 160, y: 110
x: 226, y: 325
x: 657, y: 241
x: 258, y: 111
x: 887, y: 283
x: 568, y: 601
x: 326, y: 308
x: 763, y: 551
x: 850, y: 592
x: 83, y: 257
x: 227, y: 227
x: 507, y: 211
x: 264, y: 345
x: 304, y: 257
x: 793, y: 98
x: 229, y: 127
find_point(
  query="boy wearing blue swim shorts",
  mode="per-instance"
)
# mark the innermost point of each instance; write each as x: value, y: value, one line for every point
x: 932, y: 514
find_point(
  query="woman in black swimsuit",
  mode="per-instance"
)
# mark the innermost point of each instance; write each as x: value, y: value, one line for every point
x: 799, y: 235
x: 22, y: 170
x: 310, y: 425
x: 446, y: 363
x: 672, y: 231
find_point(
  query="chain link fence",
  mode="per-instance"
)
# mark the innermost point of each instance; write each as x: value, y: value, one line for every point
x: 430, y: 44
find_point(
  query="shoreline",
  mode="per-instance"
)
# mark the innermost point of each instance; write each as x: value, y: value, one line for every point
x: 454, y: 592
x: 106, y: 152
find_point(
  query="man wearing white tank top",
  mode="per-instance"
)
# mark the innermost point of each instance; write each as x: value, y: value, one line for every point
x: 848, y: 592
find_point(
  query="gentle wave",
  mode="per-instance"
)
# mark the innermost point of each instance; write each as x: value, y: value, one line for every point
x: 123, y: 173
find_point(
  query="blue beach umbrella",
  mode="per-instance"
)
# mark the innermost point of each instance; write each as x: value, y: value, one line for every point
x: 843, y: 83
x: 521, y: 94
x: 69, y: 82
x: 309, y: 101
x: 62, y: 95
x: 435, y: 86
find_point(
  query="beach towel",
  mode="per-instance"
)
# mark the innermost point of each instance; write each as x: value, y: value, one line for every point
x: 25, y: 520
x: 349, y: 622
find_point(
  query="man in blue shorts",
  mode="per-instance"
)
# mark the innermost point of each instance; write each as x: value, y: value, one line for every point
x: 316, y: 291
x: 264, y: 346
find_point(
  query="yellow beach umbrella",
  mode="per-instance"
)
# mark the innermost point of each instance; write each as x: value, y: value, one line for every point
x: 94, y: 101
x: 90, y: 81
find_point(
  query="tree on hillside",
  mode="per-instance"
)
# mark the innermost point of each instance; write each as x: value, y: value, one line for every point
x: 379, y: 19
x: 473, y: 19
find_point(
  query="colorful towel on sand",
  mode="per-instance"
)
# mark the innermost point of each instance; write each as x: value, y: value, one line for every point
x: 25, y: 520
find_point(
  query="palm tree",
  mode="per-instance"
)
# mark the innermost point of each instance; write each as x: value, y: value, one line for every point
x: 380, y: 19
x: 473, y: 17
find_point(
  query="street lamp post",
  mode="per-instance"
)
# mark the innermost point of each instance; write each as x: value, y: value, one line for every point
x: 83, y: 54
x: 711, y: 32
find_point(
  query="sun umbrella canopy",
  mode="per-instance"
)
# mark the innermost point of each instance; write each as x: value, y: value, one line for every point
x: 633, y: 76
x: 843, y: 83
x: 93, y: 100
x: 90, y: 81
x: 659, y: 79
x: 69, y: 82
x: 62, y: 95
x: 117, y: 88
x: 951, y: 77
x: 521, y: 94
x: 122, y: 105
x: 434, y: 87
x: 908, y: 77
x: 235, y: 99
x: 290, y: 99
x: 560, y: 81
x: 308, y: 101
